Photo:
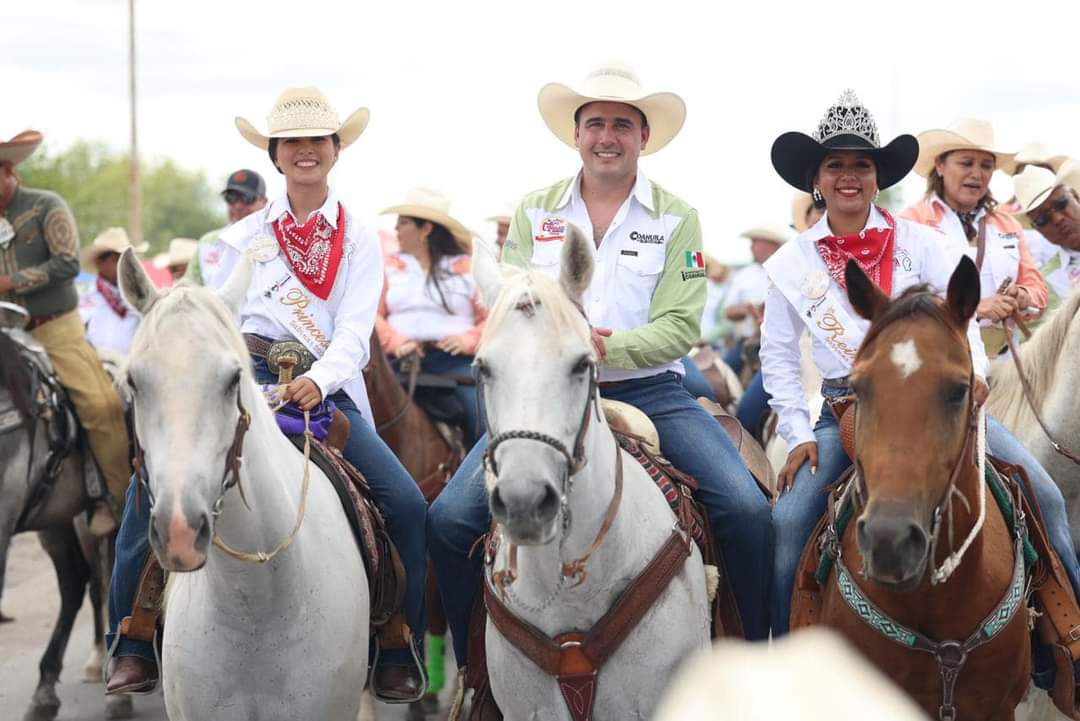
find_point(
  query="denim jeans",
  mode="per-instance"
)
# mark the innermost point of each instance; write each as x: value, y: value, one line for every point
x: 753, y: 405
x: 132, y: 548
x: 440, y: 362
x: 692, y: 440
x: 799, y: 509
x: 733, y: 356
x: 397, y: 495
x: 695, y: 382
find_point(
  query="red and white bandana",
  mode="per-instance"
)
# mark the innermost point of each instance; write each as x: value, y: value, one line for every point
x: 872, y: 249
x: 112, y: 296
x: 313, y: 249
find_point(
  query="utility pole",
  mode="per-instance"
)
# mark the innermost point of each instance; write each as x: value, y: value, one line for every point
x: 134, y: 186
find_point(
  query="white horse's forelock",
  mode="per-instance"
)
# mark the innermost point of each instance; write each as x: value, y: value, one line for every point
x: 538, y: 289
x: 1041, y: 357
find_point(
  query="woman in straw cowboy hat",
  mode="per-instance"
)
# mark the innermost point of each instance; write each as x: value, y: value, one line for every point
x: 844, y: 164
x: 311, y: 254
x: 110, y: 323
x: 430, y: 304
x: 957, y: 164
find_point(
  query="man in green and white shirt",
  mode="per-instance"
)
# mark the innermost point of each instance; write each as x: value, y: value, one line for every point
x: 644, y: 303
x: 1051, y: 203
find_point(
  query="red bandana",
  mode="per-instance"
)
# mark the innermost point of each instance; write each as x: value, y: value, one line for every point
x: 872, y: 249
x: 312, y: 249
x: 111, y: 296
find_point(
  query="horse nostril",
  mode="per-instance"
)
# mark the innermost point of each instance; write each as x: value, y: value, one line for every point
x: 549, y: 504
x: 155, y: 534
x: 202, y: 537
x: 860, y: 530
x: 498, y: 507
x: 916, y: 541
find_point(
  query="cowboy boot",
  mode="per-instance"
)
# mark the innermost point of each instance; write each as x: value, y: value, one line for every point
x: 398, y: 683
x: 131, y: 674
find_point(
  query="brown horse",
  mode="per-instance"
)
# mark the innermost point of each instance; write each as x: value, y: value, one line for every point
x: 403, y: 425
x: 915, y: 440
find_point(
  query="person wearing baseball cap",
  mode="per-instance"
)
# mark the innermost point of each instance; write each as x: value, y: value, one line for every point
x: 245, y: 192
x: 644, y: 304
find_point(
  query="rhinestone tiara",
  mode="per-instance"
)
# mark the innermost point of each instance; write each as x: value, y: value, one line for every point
x: 848, y: 117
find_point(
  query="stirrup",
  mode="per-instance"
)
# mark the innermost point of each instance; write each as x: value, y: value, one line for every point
x: 417, y: 663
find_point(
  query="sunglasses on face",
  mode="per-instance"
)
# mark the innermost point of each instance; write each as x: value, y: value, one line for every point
x: 1058, y: 206
x: 233, y: 197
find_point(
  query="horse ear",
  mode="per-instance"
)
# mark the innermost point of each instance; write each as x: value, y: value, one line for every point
x: 135, y: 285
x: 235, y: 288
x: 577, y: 263
x: 485, y: 270
x: 964, y: 291
x: 866, y: 298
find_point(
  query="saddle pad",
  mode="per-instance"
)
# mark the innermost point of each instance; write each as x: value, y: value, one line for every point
x: 355, y: 496
x: 676, y: 486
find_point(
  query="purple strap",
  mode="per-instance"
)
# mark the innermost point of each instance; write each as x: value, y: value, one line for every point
x: 290, y: 418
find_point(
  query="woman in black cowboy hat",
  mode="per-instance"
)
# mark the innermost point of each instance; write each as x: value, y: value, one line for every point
x: 844, y: 165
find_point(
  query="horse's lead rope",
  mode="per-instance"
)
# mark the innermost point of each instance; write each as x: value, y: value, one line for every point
x: 264, y: 556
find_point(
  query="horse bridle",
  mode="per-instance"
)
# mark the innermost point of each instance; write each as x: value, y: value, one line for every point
x: 233, y: 459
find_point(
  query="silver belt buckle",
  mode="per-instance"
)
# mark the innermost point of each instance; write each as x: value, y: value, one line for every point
x: 290, y: 351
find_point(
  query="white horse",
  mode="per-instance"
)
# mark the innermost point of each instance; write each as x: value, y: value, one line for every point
x: 536, y: 365
x: 1049, y: 359
x: 811, y: 675
x: 286, y: 639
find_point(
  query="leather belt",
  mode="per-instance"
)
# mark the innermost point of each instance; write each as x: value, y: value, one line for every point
x: 40, y: 320
x: 842, y: 382
x: 257, y: 345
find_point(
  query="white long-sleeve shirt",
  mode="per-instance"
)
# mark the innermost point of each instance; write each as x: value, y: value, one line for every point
x: 352, y: 303
x: 919, y: 258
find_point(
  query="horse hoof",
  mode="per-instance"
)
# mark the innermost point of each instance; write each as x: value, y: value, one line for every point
x: 40, y: 712
x: 119, y: 707
x: 5, y: 619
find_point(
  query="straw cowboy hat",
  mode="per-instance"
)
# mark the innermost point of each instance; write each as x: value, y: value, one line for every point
x: 110, y: 240
x: 505, y: 214
x: 847, y: 125
x: 434, y: 206
x: 614, y: 83
x: 304, y: 113
x: 1037, y: 153
x: 775, y: 235
x: 20, y: 147
x: 181, y: 251
x: 800, y: 206
x: 964, y: 134
x: 1034, y: 185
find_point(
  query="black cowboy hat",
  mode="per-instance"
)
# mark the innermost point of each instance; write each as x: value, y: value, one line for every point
x: 847, y: 125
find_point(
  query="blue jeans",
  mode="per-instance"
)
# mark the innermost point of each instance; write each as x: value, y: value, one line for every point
x: 695, y: 382
x: 692, y: 440
x: 733, y: 356
x: 397, y: 495
x: 753, y: 405
x: 440, y: 362
x: 798, y: 510
x: 132, y: 548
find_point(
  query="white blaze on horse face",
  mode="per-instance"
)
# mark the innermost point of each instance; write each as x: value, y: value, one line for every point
x: 906, y: 357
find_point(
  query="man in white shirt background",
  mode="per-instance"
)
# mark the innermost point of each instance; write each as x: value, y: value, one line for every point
x: 747, y: 291
x: 110, y: 323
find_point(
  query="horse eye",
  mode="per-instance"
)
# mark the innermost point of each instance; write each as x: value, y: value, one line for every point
x: 956, y: 394
x: 482, y: 368
x: 583, y: 364
x: 234, y: 381
x: 131, y: 384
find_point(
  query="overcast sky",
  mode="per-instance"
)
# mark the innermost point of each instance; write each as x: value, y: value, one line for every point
x: 452, y: 85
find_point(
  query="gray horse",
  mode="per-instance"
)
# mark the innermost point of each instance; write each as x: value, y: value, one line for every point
x: 81, y: 562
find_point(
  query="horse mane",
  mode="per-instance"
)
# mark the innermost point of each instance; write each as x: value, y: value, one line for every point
x: 186, y: 301
x: 916, y: 301
x: 1040, y: 356
x: 15, y: 378
x: 533, y: 288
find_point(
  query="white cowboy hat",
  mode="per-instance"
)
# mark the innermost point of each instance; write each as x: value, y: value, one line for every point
x: 615, y: 83
x: 1039, y: 154
x: 110, y: 240
x: 434, y: 206
x: 20, y: 147
x: 800, y: 206
x: 1035, y: 184
x: 304, y: 113
x: 181, y: 251
x: 762, y: 232
x: 964, y: 134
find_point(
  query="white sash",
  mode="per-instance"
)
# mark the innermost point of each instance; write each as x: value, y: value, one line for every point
x: 305, y: 316
x: 810, y: 289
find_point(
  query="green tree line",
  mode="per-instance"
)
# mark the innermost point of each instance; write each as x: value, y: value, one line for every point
x: 93, y: 179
